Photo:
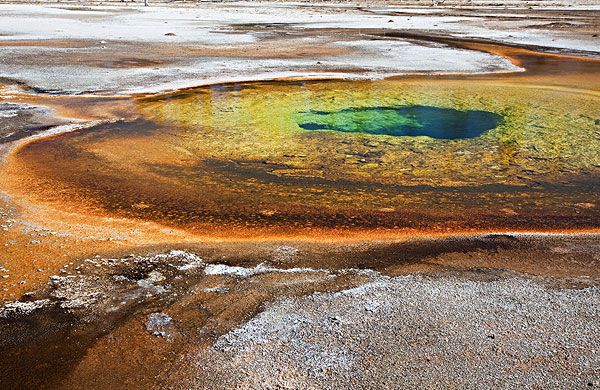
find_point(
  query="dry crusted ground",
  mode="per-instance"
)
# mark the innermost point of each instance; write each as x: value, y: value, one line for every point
x: 498, y: 310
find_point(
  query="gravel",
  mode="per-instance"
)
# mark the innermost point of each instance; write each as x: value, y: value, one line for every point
x: 414, y: 332
x: 158, y: 324
x: 21, y: 308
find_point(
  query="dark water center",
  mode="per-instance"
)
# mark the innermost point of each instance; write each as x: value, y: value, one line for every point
x: 434, y: 122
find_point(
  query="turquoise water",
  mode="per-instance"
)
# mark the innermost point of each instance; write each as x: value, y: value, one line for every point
x: 411, y: 121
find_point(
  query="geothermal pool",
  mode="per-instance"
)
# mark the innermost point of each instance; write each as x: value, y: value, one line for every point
x: 336, y: 156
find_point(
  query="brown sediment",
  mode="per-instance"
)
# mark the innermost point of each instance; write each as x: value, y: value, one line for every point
x: 55, y: 43
x: 84, y: 108
x: 123, y: 54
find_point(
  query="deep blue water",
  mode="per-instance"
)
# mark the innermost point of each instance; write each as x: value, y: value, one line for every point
x: 435, y: 122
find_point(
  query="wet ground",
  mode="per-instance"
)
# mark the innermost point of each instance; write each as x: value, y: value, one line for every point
x: 291, y: 232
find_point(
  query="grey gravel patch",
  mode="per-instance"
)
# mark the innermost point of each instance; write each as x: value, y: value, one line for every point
x: 22, y: 120
x: 21, y: 308
x: 415, y: 332
x: 244, y: 272
x: 158, y: 324
x: 10, y: 110
x: 284, y: 253
x: 216, y: 289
